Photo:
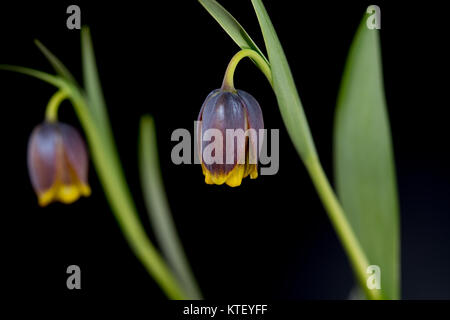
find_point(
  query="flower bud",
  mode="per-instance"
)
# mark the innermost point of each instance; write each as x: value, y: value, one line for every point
x: 238, y: 117
x: 57, y: 163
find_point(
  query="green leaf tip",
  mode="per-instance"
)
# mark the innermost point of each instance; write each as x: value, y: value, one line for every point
x: 364, y: 159
x: 59, y: 67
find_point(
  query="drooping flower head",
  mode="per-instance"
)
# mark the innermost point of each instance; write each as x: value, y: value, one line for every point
x: 57, y: 163
x: 237, y: 116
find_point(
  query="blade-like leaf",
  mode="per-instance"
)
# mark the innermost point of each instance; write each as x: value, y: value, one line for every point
x: 91, y: 79
x: 158, y: 208
x: 59, y: 67
x: 364, y: 161
x: 49, y: 78
x: 231, y: 26
x: 283, y: 84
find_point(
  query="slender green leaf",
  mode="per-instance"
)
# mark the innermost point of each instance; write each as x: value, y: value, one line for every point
x: 107, y: 163
x: 59, y: 67
x: 113, y: 179
x: 294, y: 118
x: 109, y: 169
x: 364, y: 161
x: 283, y: 84
x: 158, y: 208
x: 91, y: 79
x: 231, y: 26
x: 111, y: 174
x: 49, y: 78
x: 62, y: 84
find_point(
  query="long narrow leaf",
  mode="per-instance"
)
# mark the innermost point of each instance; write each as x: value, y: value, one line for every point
x: 59, y: 67
x: 297, y: 126
x: 91, y: 79
x: 231, y: 26
x: 158, y: 208
x: 283, y: 84
x: 49, y: 78
x: 109, y: 169
x: 364, y: 161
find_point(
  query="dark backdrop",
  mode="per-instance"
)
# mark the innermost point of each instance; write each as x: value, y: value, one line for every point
x: 269, y: 238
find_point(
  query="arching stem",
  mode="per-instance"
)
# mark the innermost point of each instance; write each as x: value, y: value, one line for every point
x: 51, y: 113
x: 228, y: 83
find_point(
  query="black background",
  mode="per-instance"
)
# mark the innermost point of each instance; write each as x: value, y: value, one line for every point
x: 269, y: 238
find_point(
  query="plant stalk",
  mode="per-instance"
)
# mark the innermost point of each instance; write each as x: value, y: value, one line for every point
x: 344, y: 230
x: 327, y: 196
x: 107, y: 163
x: 228, y: 82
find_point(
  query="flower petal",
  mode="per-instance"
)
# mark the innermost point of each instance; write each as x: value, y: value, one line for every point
x: 75, y: 153
x: 57, y: 163
x: 236, y: 176
x: 255, y: 121
x: 210, y: 96
x: 224, y: 111
x: 42, y: 156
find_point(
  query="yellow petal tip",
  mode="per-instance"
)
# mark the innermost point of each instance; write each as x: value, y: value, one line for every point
x: 63, y: 193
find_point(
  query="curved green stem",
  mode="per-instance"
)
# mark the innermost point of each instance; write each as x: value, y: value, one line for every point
x: 118, y: 194
x: 159, y: 210
x: 228, y: 83
x: 329, y: 200
x: 341, y: 225
x: 51, y: 113
x: 108, y: 167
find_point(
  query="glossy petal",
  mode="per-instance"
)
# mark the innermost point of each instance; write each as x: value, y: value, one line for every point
x: 42, y: 149
x: 76, y: 152
x: 256, y: 122
x: 57, y: 163
x: 224, y: 110
x: 213, y: 94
